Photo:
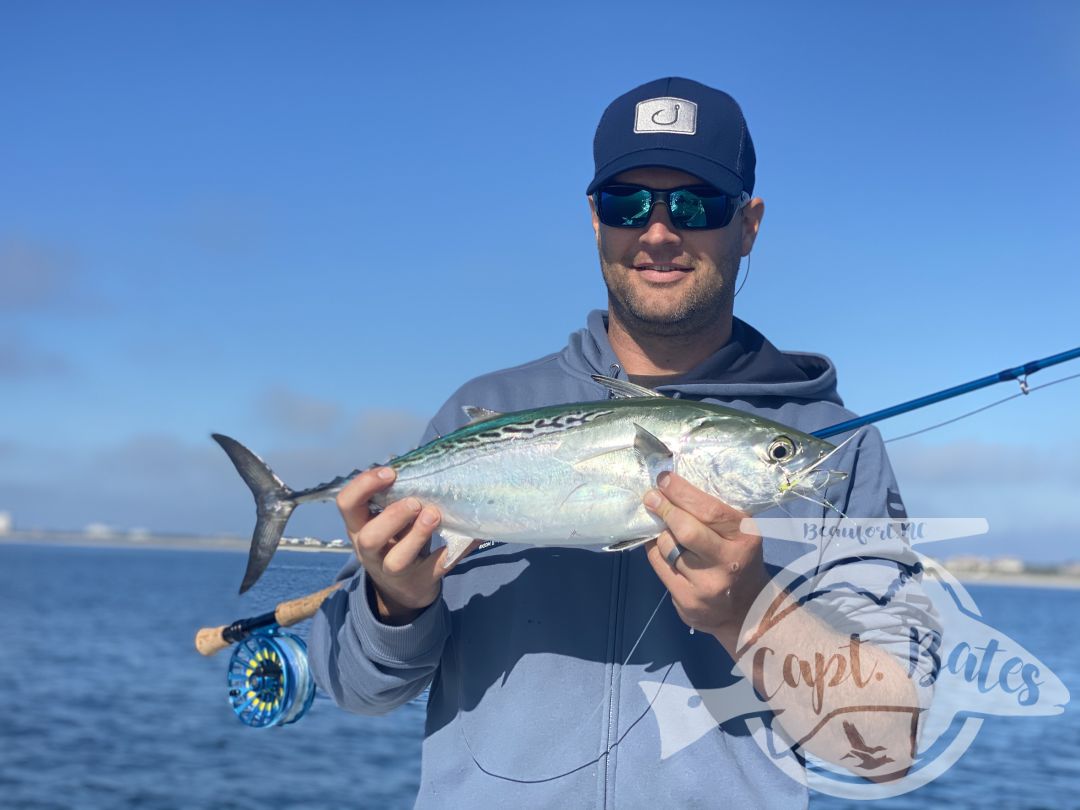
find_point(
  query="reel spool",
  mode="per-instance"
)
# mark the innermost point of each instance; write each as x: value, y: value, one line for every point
x: 270, y: 683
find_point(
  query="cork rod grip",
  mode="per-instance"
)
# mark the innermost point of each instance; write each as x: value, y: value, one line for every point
x: 211, y: 640
x: 296, y: 610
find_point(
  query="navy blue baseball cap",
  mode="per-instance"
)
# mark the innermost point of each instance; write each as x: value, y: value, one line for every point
x: 679, y: 124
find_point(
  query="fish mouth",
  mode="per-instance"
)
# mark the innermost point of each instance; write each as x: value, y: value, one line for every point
x: 814, y: 477
x: 814, y: 481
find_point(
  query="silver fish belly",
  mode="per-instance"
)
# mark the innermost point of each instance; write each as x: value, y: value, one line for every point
x: 573, y: 478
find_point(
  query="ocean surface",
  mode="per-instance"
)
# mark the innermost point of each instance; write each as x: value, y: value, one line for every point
x: 104, y: 703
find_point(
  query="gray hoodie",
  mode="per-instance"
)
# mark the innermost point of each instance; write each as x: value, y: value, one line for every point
x: 535, y: 698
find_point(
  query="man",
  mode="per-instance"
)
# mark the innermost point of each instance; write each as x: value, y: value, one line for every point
x: 541, y: 676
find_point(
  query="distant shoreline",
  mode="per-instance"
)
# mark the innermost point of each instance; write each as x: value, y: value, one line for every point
x: 1020, y: 580
x: 155, y: 542
x: 241, y: 544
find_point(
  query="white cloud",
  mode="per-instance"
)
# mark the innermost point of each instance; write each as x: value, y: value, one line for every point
x: 33, y: 277
x: 20, y: 360
x: 297, y: 413
x: 226, y: 227
x: 990, y: 464
x: 1028, y: 494
x: 173, y: 485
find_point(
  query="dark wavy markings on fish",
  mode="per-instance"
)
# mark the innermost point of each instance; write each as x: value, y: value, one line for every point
x: 497, y: 431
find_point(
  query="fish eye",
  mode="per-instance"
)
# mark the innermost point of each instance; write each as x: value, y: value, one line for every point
x: 780, y: 449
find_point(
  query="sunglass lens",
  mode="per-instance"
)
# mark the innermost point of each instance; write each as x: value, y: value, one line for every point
x: 690, y: 209
x: 624, y: 206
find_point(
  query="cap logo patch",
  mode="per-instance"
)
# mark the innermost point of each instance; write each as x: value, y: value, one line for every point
x: 670, y: 115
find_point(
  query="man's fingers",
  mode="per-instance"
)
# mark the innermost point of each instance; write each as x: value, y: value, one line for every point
x: 690, y: 532
x: 670, y: 578
x: 353, y: 499
x: 678, y: 557
x: 383, y: 528
x: 707, y: 509
x: 406, y: 551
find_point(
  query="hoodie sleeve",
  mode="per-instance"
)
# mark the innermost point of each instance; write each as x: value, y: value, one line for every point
x: 367, y: 666
x: 372, y: 668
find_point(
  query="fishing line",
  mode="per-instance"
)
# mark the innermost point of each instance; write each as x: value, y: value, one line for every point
x: 823, y: 502
x: 605, y: 699
x: 1023, y: 392
x: 641, y: 635
x: 1020, y: 373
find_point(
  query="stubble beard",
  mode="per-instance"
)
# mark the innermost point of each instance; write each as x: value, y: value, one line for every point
x: 700, y: 308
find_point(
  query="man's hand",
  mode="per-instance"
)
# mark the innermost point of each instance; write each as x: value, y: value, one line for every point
x: 720, y: 572
x: 842, y: 692
x: 393, y: 546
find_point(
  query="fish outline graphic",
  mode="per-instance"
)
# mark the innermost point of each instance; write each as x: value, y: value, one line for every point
x: 975, y: 672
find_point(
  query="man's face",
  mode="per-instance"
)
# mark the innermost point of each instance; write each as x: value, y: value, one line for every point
x: 666, y: 281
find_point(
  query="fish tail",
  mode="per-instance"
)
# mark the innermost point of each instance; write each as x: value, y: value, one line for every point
x: 274, y: 502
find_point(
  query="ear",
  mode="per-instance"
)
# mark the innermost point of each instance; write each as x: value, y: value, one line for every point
x: 752, y: 215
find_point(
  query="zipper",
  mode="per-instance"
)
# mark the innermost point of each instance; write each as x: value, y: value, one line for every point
x: 610, y: 734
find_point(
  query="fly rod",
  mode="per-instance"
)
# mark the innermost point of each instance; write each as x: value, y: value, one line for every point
x: 949, y: 393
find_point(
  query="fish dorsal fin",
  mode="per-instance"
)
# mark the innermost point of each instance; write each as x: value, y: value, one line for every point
x: 623, y: 389
x: 478, y: 414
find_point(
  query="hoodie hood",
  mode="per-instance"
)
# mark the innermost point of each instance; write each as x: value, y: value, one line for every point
x: 747, y: 367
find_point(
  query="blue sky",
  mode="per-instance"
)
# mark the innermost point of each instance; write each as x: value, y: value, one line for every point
x: 306, y: 225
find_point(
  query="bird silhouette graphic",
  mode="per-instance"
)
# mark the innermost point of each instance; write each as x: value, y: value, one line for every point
x: 861, y: 751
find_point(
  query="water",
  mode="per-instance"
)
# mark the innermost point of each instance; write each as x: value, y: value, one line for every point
x: 1014, y: 762
x: 105, y: 704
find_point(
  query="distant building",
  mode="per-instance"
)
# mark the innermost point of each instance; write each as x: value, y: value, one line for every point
x: 5, y: 523
x: 968, y: 563
x: 98, y: 530
x: 1007, y: 565
x: 336, y: 543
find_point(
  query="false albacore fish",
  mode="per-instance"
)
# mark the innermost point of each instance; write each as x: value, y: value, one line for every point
x: 567, y: 474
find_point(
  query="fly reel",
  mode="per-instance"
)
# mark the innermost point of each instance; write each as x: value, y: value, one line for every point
x: 270, y: 682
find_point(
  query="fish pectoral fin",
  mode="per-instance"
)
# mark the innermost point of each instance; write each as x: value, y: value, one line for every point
x: 456, y: 544
x: 655, y: 455
x: 479, y: 414
x: 621, y: 389
x: 625, y: 545
x: 592, y: 492
x: 603, y: 460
